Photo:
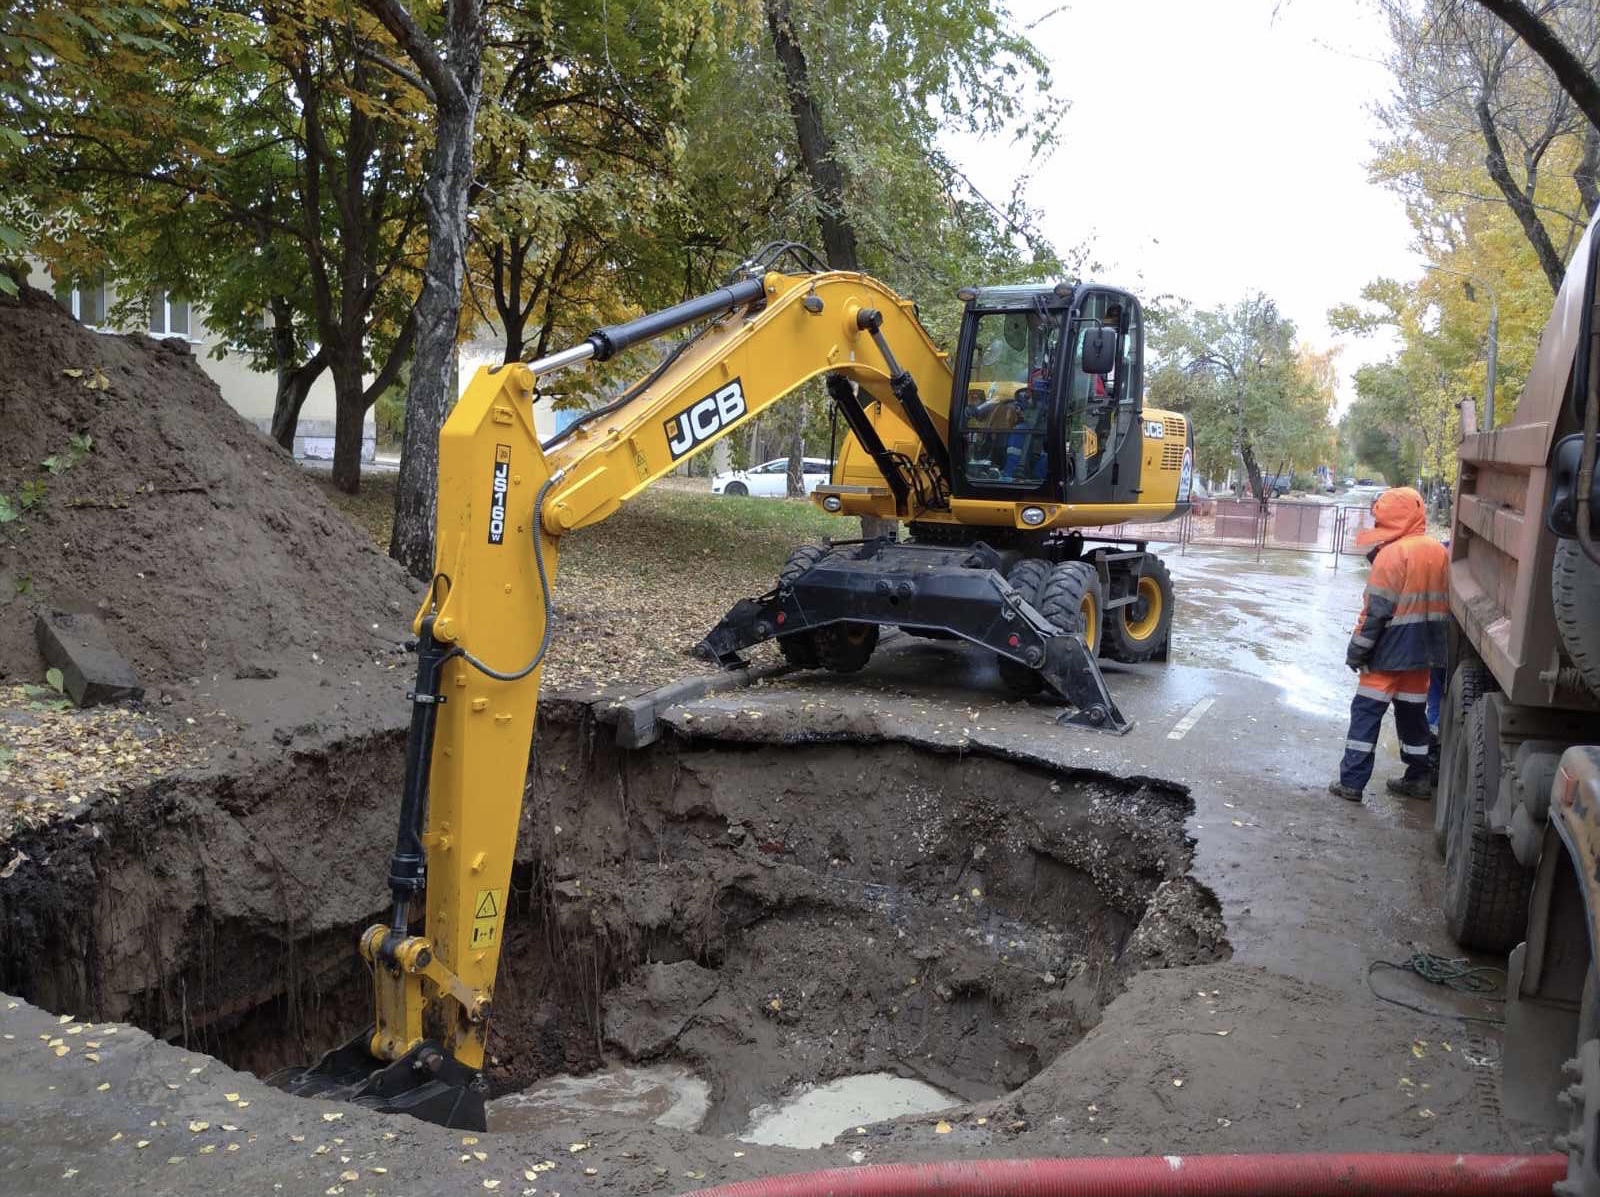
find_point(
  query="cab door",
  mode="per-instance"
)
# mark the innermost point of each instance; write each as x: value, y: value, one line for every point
x: 1102, y: 436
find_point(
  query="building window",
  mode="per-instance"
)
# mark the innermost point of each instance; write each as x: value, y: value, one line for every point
x: 169, y: 316
x: 85, y: 300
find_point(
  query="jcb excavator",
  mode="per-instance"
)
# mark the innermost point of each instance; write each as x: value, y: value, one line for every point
x: 1037, y: 431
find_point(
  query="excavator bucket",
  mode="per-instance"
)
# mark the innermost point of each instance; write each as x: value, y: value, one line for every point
x: 425, y: 1083
x: 947, y: 591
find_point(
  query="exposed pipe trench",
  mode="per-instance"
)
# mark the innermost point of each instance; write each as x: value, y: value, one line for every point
x: 1332, y: 1175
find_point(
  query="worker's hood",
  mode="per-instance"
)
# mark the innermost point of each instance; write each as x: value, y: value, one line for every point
x: 1399, y: 512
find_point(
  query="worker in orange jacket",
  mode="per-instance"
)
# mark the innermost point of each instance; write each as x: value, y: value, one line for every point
x: 1399, y: 637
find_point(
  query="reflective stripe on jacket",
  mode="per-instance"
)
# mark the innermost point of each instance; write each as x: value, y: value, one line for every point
x: 1405, y: 616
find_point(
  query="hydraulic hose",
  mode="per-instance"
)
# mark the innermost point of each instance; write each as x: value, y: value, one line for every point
x: 1333, y: 1175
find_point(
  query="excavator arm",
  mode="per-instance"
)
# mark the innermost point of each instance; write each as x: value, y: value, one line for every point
x: 504, y: 502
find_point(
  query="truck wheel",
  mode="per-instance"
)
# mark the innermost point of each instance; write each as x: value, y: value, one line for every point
x: 846, y: 647
x: 1575, y: 594
x: 1072, y: 600
x: 800, y: 648
x: 1140, y: 630
x: 1027, y: 578
x: 1581, y: 1091
x: 1485, y: 889
x: 1468, y: 683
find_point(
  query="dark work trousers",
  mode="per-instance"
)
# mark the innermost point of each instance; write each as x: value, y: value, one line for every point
x: 1407, y: 689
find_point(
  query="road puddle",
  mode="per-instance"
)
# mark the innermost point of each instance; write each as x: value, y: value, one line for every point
x: 816, y: 1115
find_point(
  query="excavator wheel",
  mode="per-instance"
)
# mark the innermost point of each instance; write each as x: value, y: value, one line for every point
x: 1027, y: 578
x: 1072, y: 600
x: 846, y: 647
x: 800, y: 649
x: 1139, y: 631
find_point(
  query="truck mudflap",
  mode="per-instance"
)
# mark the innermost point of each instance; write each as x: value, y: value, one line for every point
x: 955, y: 591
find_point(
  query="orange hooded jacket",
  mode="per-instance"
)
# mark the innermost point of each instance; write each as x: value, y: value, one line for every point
x: 1405, y: 617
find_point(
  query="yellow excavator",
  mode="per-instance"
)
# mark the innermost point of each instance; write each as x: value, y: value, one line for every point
x: 996, y: 464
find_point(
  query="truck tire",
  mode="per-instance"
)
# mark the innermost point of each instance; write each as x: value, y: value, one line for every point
x: 1485, y: 889
x: 846, y: 647
x: 1583, y: 1150
x: 800, y: 648
x: 1470, y: 681
x: 1575, y: 594
x: 1072, y: 600
x: 1140, y: 630
x: 1027, y: 578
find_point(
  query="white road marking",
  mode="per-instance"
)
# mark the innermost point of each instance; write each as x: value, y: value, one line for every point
x: 1189, y: 720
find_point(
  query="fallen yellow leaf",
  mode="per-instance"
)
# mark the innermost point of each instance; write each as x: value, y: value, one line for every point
x: 942, y: 1127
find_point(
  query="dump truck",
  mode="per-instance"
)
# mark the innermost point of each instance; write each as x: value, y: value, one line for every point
x: 1517, y: 810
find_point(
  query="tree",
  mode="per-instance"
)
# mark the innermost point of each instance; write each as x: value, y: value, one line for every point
x: 450, y: 75
x: 1458, y: 69
x: 1251, y: 391
x: 1404, y: 420
x: 262, y: 164
x: 1574, y: 73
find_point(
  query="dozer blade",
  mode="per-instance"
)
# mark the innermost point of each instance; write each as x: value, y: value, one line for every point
x: 956, y: 592
x: 425, y: 1083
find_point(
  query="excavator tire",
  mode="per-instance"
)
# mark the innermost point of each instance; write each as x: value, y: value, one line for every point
x: 1027, y: 578
x: 800, y: 649
x: 1575, y: 594
x: 1072, y: 600
x: 846, y: 647
x: 1140, y: 630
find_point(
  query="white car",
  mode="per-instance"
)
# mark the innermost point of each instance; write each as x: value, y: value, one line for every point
x: 771, y: 478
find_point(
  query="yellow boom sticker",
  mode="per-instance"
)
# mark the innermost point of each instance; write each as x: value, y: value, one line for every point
x: 486, y: 917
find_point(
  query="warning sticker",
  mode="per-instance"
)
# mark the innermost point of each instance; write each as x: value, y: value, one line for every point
x: 486, y: 917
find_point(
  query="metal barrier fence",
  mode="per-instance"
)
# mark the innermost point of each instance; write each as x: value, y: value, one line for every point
x: 1287, y: 524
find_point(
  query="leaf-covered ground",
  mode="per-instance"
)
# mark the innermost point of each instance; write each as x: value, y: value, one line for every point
x: 637, y: 592
x: 53, y: 758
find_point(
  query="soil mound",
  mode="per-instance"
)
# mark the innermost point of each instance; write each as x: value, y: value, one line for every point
x: 129, y: 488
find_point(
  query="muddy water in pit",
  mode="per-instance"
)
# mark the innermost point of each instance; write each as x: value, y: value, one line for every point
x: 671, y: 1095
x: 766, y: 917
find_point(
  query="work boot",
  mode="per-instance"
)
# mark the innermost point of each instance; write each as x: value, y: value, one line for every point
x: 1340, y: 790
x: 1411, y: 787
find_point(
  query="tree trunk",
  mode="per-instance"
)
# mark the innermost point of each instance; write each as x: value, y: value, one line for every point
x: 454, y: 77
x: 294, y: 377
x: 446, y: 194
x: 1252, y: 471
x: 1571, y: 73
x: 796, y: 482
x: 293, y: 387
x: 816, y: 145
x: 1588, y: 172
x: 349, y: 420
x: 1522, y: 205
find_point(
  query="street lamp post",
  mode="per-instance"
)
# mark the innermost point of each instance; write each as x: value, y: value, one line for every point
x: 1494, y: 337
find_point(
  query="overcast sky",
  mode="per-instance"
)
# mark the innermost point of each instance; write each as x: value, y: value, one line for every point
x: 1216, y: 148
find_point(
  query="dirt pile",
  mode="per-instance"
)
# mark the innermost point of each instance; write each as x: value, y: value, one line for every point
x: 129, y: 488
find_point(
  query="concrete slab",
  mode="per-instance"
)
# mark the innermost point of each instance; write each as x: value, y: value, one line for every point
x: 92, y: 670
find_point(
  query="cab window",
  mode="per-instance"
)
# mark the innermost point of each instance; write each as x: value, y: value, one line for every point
x: 1007, y: 412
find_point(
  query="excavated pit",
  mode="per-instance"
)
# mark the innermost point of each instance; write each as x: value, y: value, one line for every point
x: 767, y: 916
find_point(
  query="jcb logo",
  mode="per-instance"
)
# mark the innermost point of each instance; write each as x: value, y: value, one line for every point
x: 705, y: 418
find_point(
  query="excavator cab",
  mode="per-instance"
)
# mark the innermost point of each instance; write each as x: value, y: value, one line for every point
x: 1048, y: 390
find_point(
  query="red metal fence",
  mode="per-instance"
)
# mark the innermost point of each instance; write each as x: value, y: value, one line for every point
x: 1292, y: 524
